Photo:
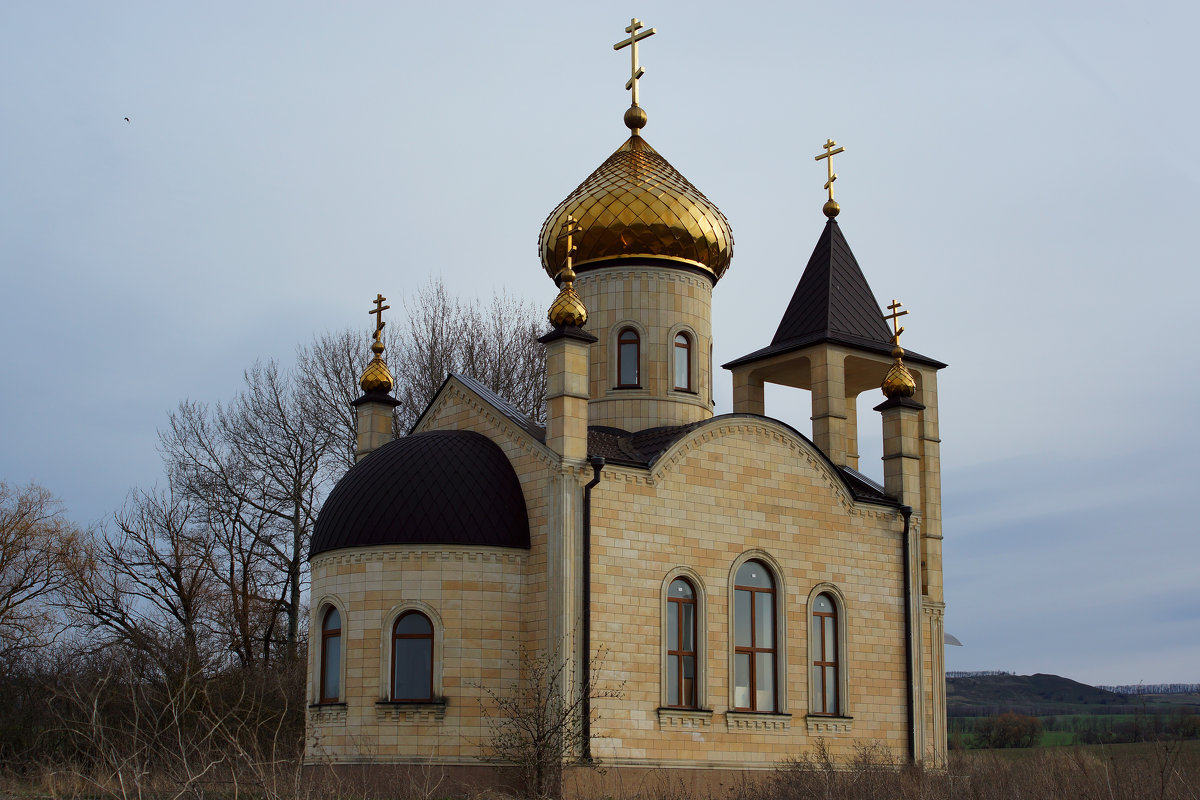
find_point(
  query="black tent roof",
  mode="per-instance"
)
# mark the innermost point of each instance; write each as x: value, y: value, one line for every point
x: 832, y: 303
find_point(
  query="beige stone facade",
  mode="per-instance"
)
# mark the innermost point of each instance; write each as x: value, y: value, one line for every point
x: 736, y: 487
x: 658, y: 303
x: 738, y: 590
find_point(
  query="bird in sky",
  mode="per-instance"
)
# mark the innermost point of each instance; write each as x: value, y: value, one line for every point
x: 127, y: 119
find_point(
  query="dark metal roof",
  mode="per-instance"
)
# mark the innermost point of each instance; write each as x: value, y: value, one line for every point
x: 439, y: 487
x: 514, y: 415
x: 643, y: 449
x: 640, y: 449
x: 864, y: 488
x: 832, y: 303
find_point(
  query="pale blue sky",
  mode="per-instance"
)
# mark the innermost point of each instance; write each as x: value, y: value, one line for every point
x: 1022, y: 175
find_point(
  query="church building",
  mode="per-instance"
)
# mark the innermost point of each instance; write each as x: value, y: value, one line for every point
x: 719, y: 592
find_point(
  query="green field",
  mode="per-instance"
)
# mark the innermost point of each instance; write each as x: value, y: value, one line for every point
x: 1066, y: 730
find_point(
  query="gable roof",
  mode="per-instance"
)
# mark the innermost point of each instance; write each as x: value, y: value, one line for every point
x: 643, y: 448
x: 832, y: 303
x: 510, y: 411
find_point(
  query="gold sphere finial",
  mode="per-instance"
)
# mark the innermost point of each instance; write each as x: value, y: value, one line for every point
x: 635, y: 118
x: 831, y: 208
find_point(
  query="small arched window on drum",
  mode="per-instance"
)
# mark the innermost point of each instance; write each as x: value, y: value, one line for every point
x: 683, y: 362
x: 629, y: 353
x: 412, y: 657
x: 331, y: 657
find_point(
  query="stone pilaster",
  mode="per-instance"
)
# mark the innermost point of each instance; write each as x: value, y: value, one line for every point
x: 901, y: 457
x: 567, y: 391
x: 373, y: 422
x: 829, y: 403
x: 748, y: 393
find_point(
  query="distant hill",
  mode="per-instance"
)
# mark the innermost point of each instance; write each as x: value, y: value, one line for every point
x: 1030, y: 694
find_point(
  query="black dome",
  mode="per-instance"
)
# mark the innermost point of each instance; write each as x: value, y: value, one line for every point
x: 440, y: 487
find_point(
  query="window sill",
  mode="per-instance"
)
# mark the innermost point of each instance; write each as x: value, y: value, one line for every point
x: 826, y: 723
x: 411, y: 710
x: 627, y: 388
x: 327, y: 713
x: 331, y: 704
x: 758, y: 720
x: 684, y: 717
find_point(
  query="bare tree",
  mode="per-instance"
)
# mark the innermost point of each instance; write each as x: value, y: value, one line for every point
x: 327, y: 372
x: 146, y: 586
x: 245, y: 584
x: 536, y: 723
x: 35, y: 537
x: 258, y: 467
x: 504, y: 353
x: 426, y: 348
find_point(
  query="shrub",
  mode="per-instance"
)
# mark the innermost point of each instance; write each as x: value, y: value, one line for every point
x: 1008, y: 730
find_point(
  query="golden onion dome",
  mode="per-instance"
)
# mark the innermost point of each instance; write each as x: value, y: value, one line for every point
x: 376, y: 377
x: 899, y: 381
x: 637, y: 205
x: 568, y: 307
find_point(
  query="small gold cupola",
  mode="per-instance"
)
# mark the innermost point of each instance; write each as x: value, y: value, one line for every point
x: 568, y: 307
x: 376, y: 377
x: 899, y: 381
x: 373, y: 411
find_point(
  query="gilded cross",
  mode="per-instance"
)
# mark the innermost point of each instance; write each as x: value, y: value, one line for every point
x: 377, y: 312
x: 635, y: 70
x: 828, y: 156
x: 570, y: 228
x: 895, y: 318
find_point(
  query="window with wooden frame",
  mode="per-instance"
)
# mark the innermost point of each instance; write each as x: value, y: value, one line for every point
x: 754, y: 681
x: 412, y: 657
x: 681, y: 645
x: 824, y: 648
x: 331, y: 657
x: 629, y: 353
x: 683, y: 362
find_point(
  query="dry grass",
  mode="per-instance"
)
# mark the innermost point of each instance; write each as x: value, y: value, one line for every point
x: 1151, y: 771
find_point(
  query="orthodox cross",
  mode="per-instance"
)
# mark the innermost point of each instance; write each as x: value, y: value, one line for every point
x: 895, y: 318
x: 377, y: 312
x: 828, y: 156
x: 570, y: 228
x: 635, y: 70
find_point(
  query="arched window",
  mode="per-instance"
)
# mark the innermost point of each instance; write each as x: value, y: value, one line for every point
x: 412, y: 657
x: 683, y: 362
x: 629, y: 353
x: 681, y: 645
x: 754, y: 638
x: 331, y: 657
x: 824, y: 648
